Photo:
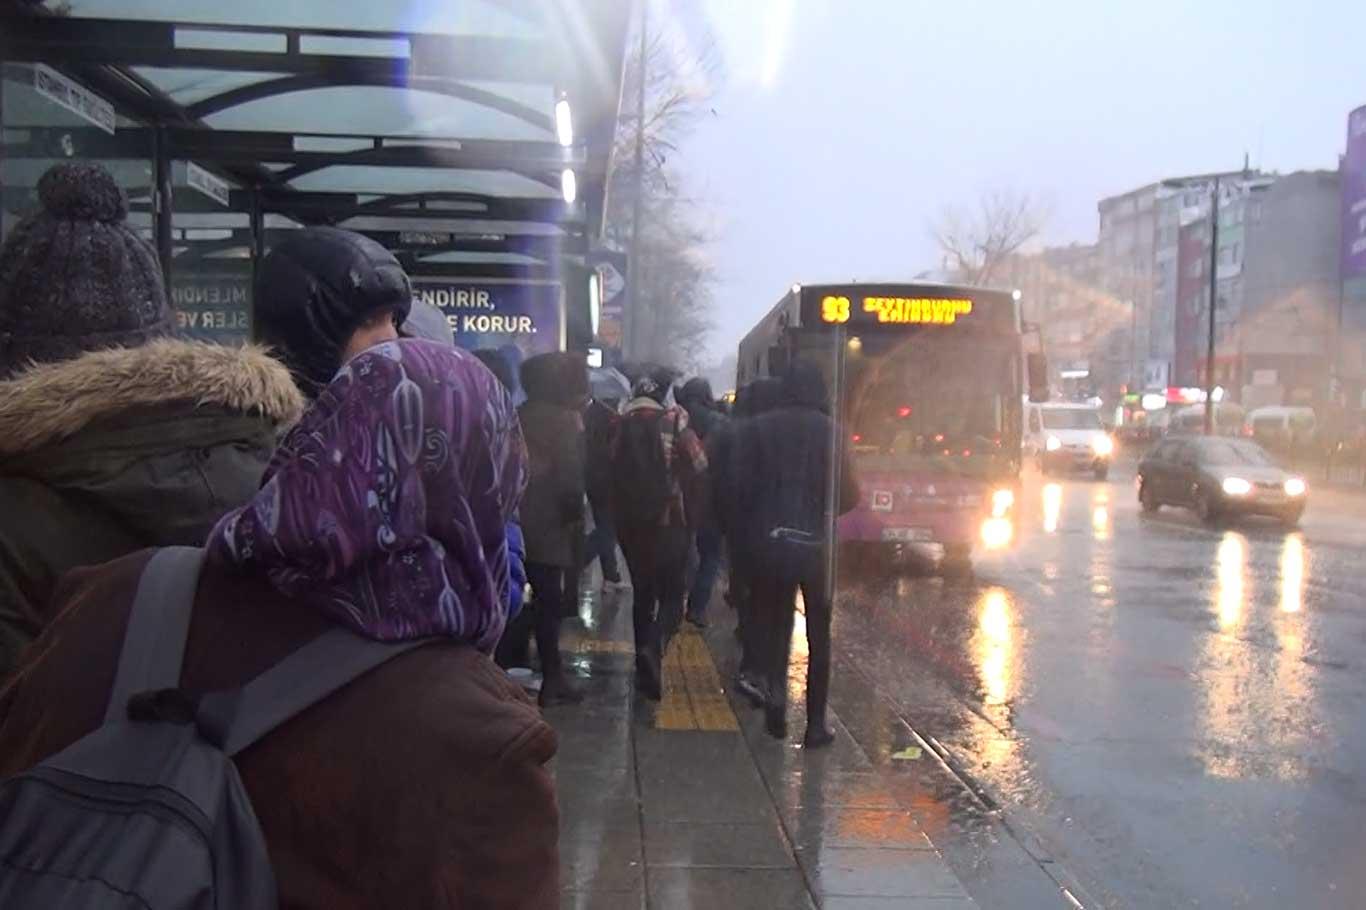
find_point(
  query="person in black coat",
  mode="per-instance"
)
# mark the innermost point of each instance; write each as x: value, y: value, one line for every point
x: 706, y: 421
x: 779, y: 481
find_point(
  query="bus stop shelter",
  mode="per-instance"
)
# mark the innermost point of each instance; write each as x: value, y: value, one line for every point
x: 473, y: 139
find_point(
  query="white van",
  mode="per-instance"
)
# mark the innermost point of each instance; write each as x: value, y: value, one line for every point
x: 1228, y: 419
x: 1278, y: 427
x: 1067, y: 437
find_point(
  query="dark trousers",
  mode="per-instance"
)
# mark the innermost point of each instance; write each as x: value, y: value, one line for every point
x: 548, y: 599
x: 774, y: 601
x: 657, y: 559
x: 708, y: 567
x: 602, y: 543
x: 746, y: 624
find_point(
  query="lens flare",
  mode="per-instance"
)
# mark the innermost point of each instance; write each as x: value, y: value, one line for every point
x: 1052, y: 506
x: 1231, y: 561
x: 994, y: 647
x: 1292, y: 574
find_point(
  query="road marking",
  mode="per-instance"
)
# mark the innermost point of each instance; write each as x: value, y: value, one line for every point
x: 693, y: 696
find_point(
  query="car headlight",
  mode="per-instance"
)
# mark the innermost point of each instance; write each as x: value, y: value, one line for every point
x: 1295, y: 486
x: 1236, y: 486
x: 1052, y: 444
x: 1002, y: 501
x: 1102, y: 445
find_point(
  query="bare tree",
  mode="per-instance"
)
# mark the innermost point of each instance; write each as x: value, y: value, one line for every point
x: 975, y: 243
x: 674, y: 279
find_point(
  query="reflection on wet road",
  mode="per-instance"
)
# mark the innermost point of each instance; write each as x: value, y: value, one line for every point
x: 1176, y: 713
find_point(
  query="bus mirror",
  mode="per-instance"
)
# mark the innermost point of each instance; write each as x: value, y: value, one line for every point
x: 777, y: 360
x: 1036, y: 365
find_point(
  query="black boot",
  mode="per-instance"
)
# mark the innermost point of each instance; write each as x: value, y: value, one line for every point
x: 775, y: 720
x: 559, y: 689
x: 817, y: 736
x: 752, y: 689
x: 649, y: 676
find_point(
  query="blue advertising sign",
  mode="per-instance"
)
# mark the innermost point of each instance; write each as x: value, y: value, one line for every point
x: 492, y: 313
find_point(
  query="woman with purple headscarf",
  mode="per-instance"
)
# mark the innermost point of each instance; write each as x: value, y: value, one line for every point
x: 423, y: 783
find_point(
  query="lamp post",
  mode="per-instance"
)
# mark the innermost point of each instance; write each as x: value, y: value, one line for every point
x: 1213, y: 288
x: 1213, y: 301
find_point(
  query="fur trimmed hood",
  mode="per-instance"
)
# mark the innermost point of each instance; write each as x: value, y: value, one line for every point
x: 51, y: 402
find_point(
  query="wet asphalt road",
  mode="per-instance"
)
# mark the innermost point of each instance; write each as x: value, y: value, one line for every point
x: 1175, y: 715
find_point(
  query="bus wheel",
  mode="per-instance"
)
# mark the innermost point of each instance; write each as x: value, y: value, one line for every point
x: 1147, y: 499
x: 957, y: 561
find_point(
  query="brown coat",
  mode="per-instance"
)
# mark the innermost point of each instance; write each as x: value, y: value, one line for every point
x: 423, y: 784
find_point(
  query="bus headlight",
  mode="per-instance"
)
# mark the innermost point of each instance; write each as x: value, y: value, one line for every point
x: 1102, y: 445
x: 1002, y: 501
x: 997, y: 533
x: 1052, y: 444
x: 1295, y: 486
x: 1236, y: 486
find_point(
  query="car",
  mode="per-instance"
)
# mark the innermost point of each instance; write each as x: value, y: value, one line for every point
x: 1068, y: 437
x: 1219, y: 477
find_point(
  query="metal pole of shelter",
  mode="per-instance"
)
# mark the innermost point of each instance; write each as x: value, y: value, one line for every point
x: 633, y: 301
x: 1213, y: 300
x: 258, y: 245
x: 162, y: 212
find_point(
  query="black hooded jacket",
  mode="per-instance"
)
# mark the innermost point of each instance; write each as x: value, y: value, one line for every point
x: 776, y: 467
x: 697, y: 399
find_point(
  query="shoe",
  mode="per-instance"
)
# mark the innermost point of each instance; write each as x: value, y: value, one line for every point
x: 817, y: 737
x: 752, y: 690
x: 648, y: 681
x: 775, y: 720
x: 559, y: 690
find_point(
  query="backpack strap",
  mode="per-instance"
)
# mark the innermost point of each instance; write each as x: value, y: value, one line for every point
x: 236, y: 718
x: 154, y: 641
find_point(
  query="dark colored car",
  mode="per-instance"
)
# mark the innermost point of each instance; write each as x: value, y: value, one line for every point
x: 1219, y: 476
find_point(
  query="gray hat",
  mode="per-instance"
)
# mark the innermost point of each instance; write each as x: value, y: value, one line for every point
x: 74, y: 277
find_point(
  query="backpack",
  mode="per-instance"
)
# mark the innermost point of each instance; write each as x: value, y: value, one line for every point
x: 148, y: 811
x: 640, y: 472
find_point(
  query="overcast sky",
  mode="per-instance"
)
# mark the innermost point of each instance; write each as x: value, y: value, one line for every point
x: 843, y: 127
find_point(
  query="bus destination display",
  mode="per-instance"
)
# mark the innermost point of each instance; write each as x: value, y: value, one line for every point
x: 838, y: 309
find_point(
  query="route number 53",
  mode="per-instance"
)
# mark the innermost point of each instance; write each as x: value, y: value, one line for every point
x: 834, y: 309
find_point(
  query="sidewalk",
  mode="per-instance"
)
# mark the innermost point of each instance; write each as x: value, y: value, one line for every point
x: 689, y: 804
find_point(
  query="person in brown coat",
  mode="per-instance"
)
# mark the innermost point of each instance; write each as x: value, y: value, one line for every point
x: 556, y: 385
x: 423, y: 783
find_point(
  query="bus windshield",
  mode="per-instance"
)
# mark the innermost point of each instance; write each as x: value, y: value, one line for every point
x: 1071, y: 419
x: 955, y: 401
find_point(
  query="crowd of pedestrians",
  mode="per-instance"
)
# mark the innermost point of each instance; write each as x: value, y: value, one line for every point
x: 333, y: 535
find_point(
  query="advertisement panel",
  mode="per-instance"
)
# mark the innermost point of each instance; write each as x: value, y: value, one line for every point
x: 1191, y: 285
x: 213, y: 307
x: 1354, y: 198
x: 493, y: 313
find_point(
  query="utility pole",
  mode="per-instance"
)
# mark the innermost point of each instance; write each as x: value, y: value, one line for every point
x: 633, y: 302
x: 1213, y: 300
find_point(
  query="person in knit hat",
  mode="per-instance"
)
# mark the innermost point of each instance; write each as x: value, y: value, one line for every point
x: 114, y: 435
x: 75, y: 277
x: 323, y: 295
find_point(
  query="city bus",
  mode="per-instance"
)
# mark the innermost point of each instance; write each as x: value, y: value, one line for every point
x: 927, y: 388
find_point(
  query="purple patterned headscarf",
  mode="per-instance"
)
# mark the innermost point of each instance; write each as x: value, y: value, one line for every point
x: 385, y: 506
